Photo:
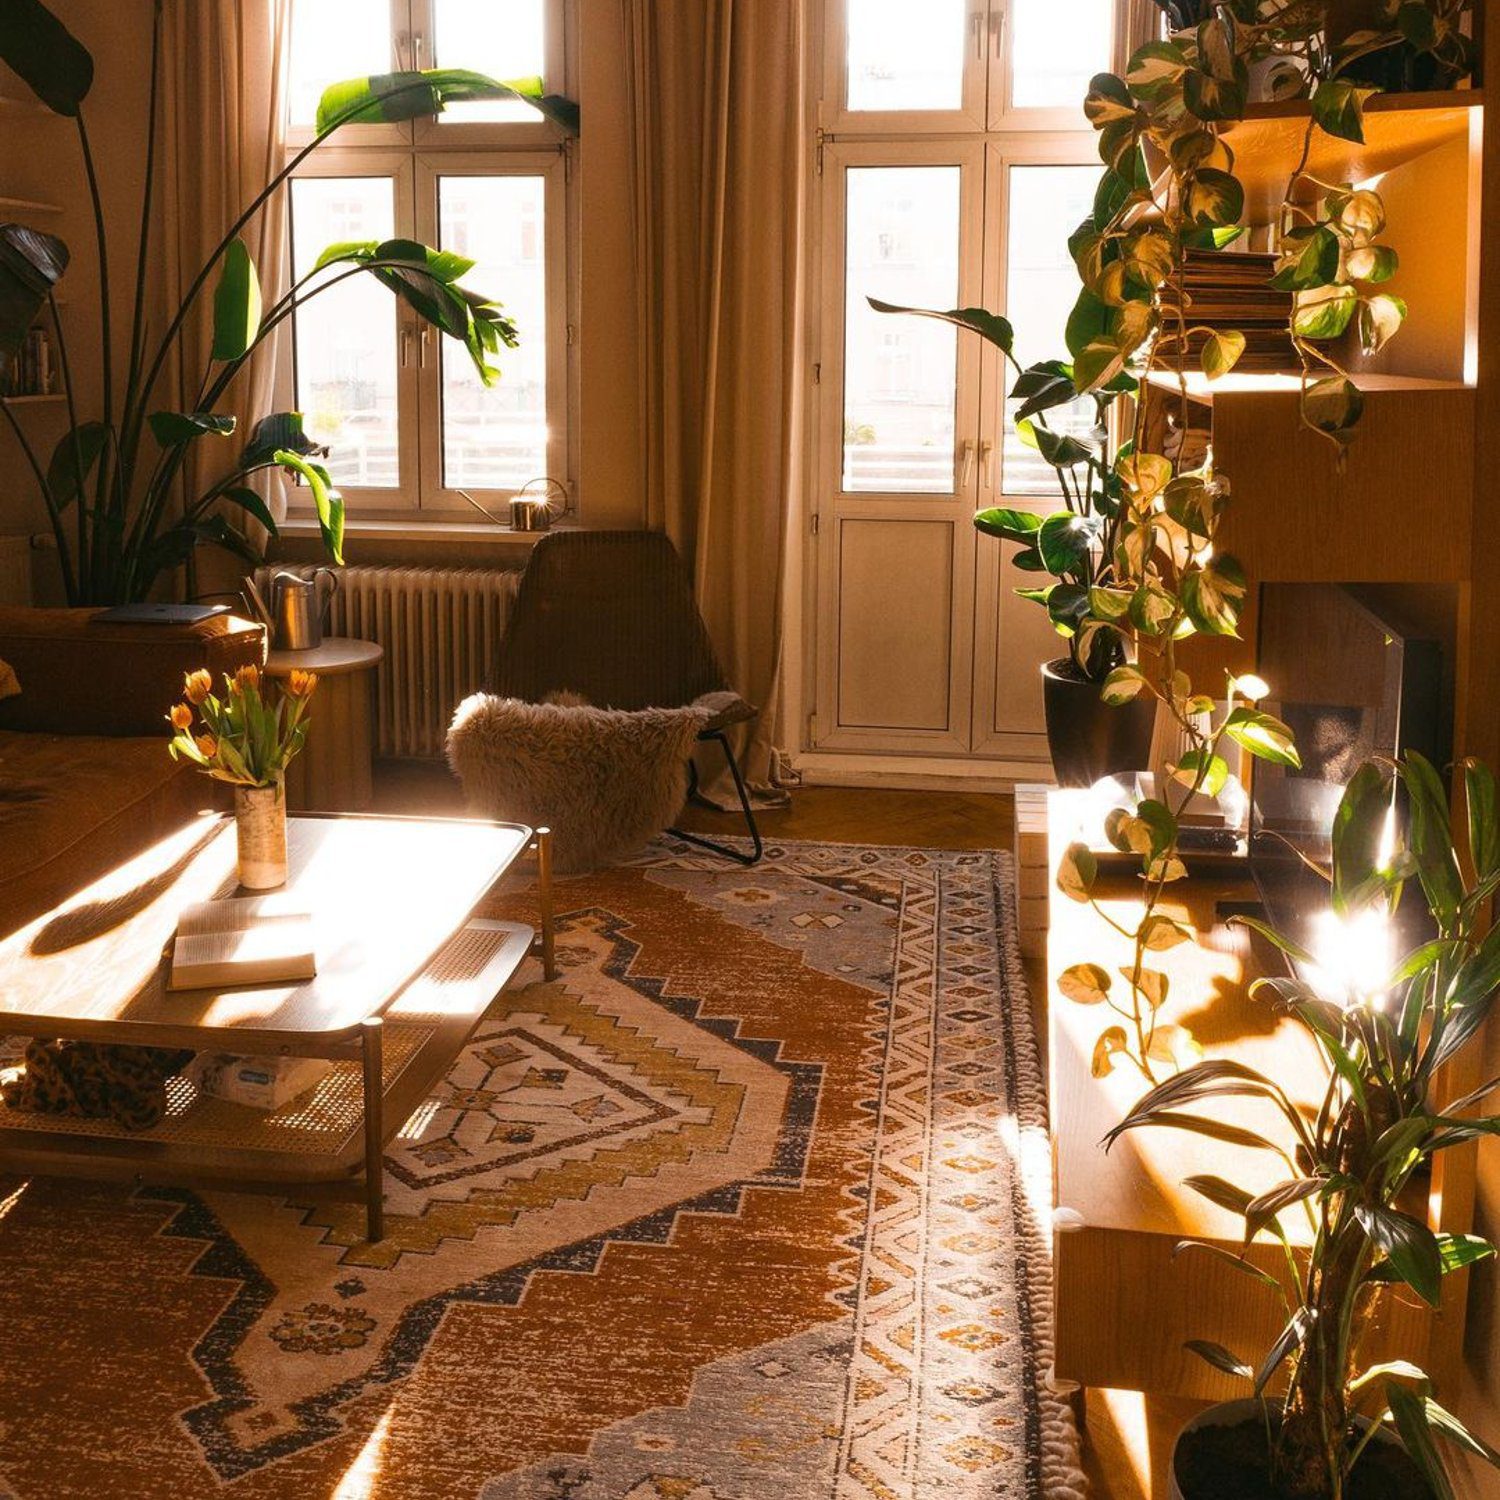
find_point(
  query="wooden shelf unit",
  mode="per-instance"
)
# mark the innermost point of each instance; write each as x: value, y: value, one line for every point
x: 1399, y: 128
x: 1125, y: 1301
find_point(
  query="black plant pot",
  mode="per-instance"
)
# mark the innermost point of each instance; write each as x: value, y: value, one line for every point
x: 1089, y: 738
x: 1222, y: 1454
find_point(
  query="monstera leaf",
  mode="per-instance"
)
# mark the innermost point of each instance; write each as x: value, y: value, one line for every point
x: 31, y: 264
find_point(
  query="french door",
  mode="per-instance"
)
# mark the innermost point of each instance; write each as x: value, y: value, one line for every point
x: 956, y: 166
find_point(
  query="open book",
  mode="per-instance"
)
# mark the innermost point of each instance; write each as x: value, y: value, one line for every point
x: 242, y: 942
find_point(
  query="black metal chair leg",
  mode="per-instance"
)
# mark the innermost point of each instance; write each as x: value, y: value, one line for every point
x: 737, y: 855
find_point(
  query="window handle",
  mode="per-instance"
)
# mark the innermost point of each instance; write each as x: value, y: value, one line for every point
x: 997, y: 27
x: 986, y: 453
x: 418, y: 50
x: 976, y: 29
x: 422, y: 345
x: 406, y: 346
x: 966, y: 449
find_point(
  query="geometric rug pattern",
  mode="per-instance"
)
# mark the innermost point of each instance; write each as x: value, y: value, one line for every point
x: 751, y: 1201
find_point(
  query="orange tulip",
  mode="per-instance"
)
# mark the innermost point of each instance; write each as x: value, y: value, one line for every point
x: 207, y: 745
x: 181, y: 716
x: 301, y: 684
x: 197, y: 685
x: 247, y: 679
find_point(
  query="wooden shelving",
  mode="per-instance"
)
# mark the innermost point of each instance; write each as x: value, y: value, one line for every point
x: 1201, y: 388
x: 1267, y: 144
x: 31, y: 400
x: 28, y: 206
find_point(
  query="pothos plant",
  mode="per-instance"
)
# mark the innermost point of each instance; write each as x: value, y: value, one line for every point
x: 1349, y: 1164
x: 114, y: 488
x: 1073, y: 545
x: 1154, y: 576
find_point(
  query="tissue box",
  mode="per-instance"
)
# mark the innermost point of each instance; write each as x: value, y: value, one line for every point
x: 261, y: 1082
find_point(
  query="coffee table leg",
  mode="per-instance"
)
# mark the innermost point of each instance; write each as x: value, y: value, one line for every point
x: 374, y: 1098
x: 544, y: 901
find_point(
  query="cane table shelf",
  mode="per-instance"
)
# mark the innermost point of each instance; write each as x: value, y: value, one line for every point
x: 404, y: 977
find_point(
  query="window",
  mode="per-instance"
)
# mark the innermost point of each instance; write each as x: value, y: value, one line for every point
x: 405, y: 416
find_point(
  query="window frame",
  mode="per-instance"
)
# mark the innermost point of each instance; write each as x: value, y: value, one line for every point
x: 415, y: 154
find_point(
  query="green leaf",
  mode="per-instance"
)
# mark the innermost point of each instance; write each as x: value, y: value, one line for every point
x: 247, y: 500
x: 1264, y: 1209
x: 1067, y: 604
x: 1339, y: 105
x: 1380, y: 320
x: 1334, y: 406
x: 1359, y: 826
x: 1214, y: 777
x: 1324, y: 312
x: 1221, y: 352
x: 1213, y: 595
x: 281, y: 430
x: 1220, y: 1358
x: 1107, y: 100
x: 1409, y: 1413
x: 1084, y: 984
x: 1443, y: 1421
x: 1230, y: 1258
x: 48, y: 58
x: 1311, y: 258
x: 237, y: 304
x: 173, y: 428
x: 1122, y: 684
x: 1041, y: 387
x: 1213, y: 99
x: 393, y: 97
x: 1372, y: 263
x: 64, y: 482
x: 1063, y: 541
x: 1417, y: 23
x: 1430, y: 837
x: 1264, y: 736
x: 31, y: 264
x: 1155, y: 69
x: 1089, y: 321
x: 1214, y: 198
x: 1076, y: 872
x: 1410, y: 1247
x: 987, y: 325
x: 1109, y: 604
x: 1013, y: 525
x: 1484, y: 824
x: 1291, y: 1336
x: 1220, y: 1193
x: 328, y: 502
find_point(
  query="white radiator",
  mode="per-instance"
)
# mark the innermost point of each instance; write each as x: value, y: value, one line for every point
x: 441, y: 629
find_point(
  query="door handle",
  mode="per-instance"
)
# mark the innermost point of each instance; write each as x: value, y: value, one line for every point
x: 966, y: 450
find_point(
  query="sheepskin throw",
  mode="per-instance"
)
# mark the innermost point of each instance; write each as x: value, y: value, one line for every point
x: 603, y: 779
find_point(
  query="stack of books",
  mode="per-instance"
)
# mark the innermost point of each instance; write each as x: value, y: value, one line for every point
x: 1226, y: 289
x: 31, y: 372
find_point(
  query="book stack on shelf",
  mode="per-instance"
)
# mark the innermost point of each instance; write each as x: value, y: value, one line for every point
x: 1232, y: 290
x: 32, y: 372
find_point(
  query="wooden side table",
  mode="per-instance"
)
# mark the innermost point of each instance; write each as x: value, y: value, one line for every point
x: 333, y: 772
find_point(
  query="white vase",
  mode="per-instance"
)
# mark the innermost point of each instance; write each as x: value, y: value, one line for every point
x: 260, y: 828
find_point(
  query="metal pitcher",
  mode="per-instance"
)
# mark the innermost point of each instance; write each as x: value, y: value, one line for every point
x: 299, y: 607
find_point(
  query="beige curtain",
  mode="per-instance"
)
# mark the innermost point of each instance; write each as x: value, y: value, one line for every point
x: 223, y: 107
x: 719, y: 150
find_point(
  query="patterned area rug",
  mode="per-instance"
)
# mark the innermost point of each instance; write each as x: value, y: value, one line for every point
x: 749, y: 1203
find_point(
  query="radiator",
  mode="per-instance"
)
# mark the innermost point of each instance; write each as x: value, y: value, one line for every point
x: 441, y: 629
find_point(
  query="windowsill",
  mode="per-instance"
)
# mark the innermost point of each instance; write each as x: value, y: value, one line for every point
x: 474, y: 533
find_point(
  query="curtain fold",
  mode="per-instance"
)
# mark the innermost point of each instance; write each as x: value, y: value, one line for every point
x: 719, y: 153
x: 223, y: 106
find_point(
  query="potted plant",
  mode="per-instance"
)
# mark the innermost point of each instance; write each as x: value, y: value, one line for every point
x: 114, y: 491
x: 1345, y: 1425
x: 247, y: 739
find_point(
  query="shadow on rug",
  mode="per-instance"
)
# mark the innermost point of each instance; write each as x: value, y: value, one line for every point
x: 751, y: 1202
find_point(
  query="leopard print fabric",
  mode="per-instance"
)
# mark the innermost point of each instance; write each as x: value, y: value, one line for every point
x: 90, y: 1080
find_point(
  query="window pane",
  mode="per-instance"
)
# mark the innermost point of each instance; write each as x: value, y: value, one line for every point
x: 1046, y: 205
x: 503, y: 38
x: 900, y: 374
x: 906, y: 54
x: 1041, y: 285
x: 496, y: 439
x: 346, y: 336
x: 333, y: 40
x: 1058, y: 46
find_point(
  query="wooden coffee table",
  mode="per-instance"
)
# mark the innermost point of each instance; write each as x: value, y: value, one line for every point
x: 404, y: 976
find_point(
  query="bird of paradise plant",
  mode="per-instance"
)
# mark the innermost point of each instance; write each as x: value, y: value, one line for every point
x: 114, y: 491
